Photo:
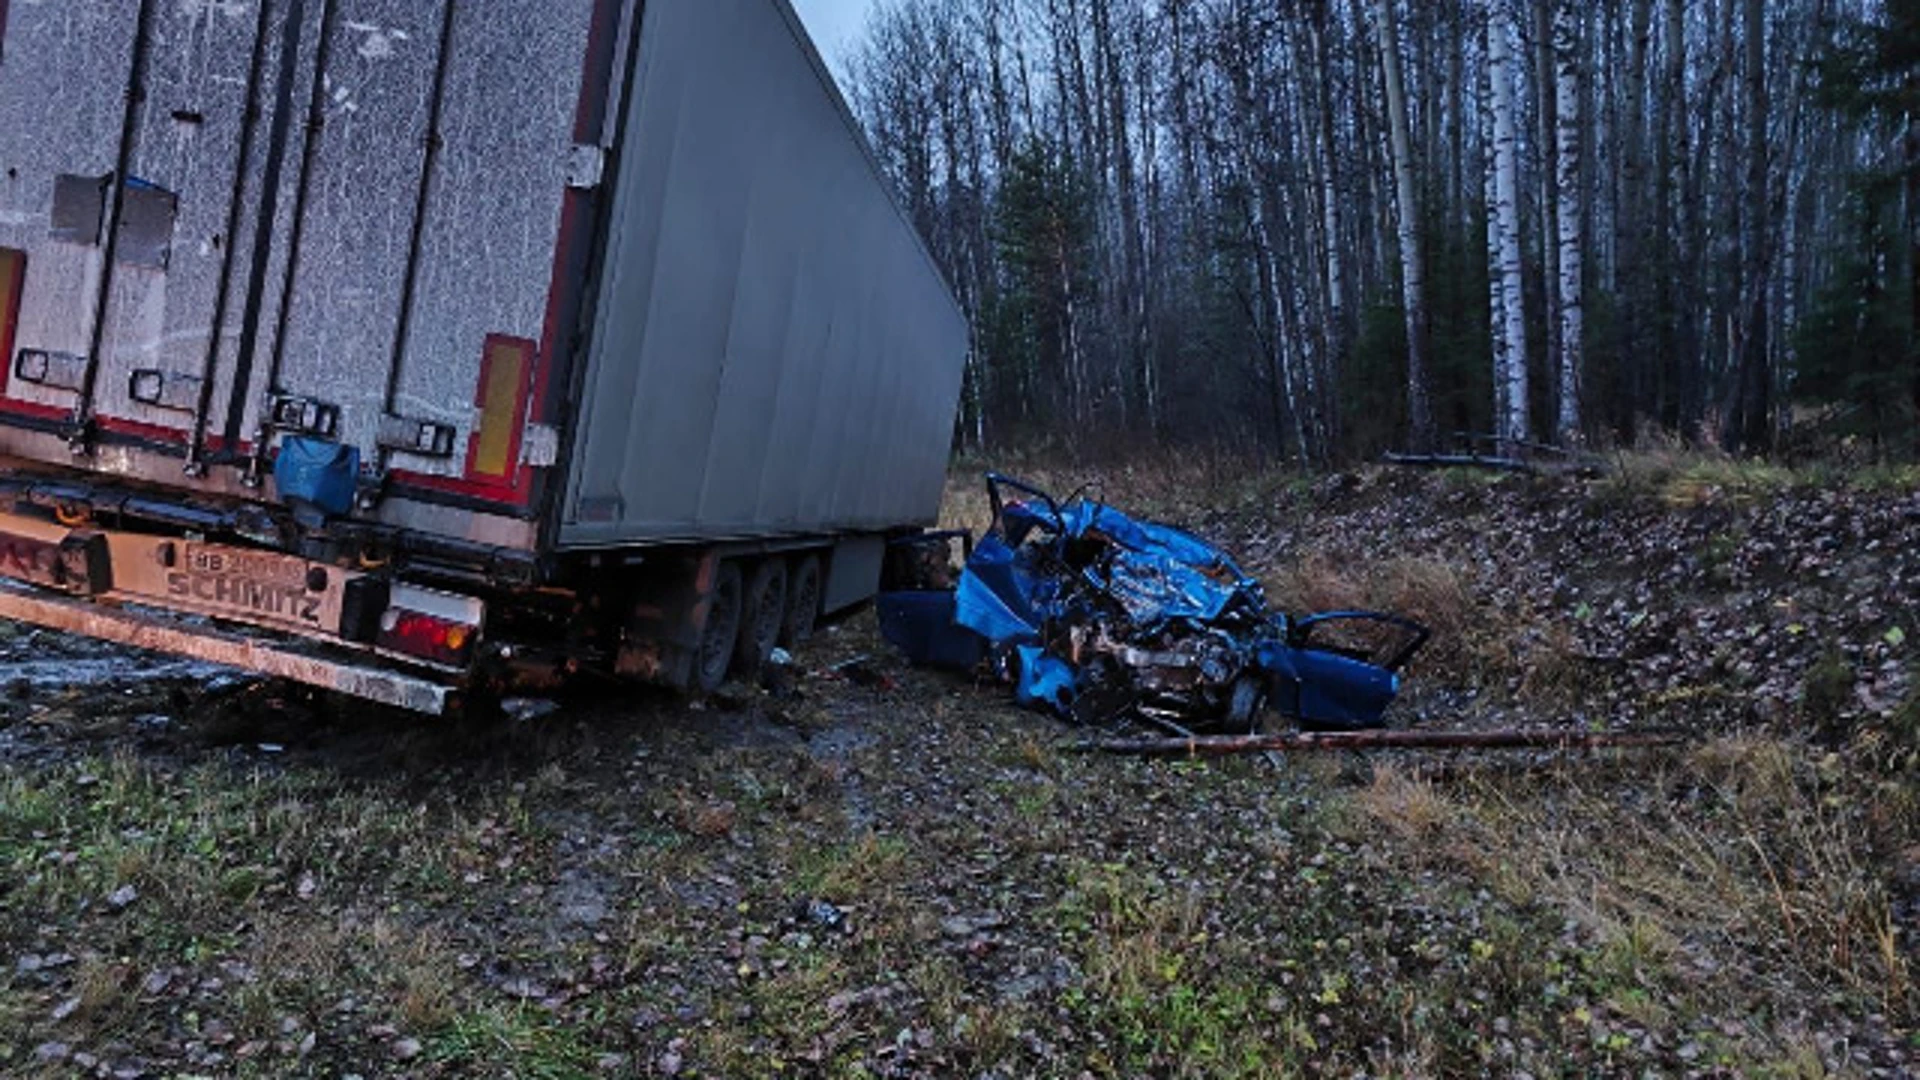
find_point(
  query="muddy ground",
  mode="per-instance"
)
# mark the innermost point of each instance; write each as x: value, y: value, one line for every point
x: 873, y: 871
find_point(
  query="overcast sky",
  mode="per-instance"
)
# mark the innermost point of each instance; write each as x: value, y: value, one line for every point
x: 835, y: 25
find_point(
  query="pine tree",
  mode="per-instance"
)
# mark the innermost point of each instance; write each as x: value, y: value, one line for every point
x: 1042, y: 230
x: 1871, y: 72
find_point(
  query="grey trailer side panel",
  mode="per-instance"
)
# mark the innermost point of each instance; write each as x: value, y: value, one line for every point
x: 773, y: 351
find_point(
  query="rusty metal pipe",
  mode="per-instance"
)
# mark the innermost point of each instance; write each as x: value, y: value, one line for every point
x: 1298, y: 742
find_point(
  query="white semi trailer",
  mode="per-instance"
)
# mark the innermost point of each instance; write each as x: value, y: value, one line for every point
x: 411, y: 348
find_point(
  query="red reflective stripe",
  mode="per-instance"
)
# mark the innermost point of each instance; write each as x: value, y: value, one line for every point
x: 13, y: 282
x: 512, y: 494
x: 570, y: 248
x: 522, y: 354
x: 139, y: 430
x: 596, y: 78
x: 35, y: 410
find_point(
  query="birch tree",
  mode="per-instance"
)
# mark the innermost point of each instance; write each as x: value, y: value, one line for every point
x: 1413, y: 281
x: 1572, y: 215
x: 1508, y: 276
x: 1256, y: 225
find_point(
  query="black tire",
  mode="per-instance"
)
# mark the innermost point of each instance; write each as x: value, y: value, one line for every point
x: 715, y: 655
x: 803, y: 602
x: 762, y: 617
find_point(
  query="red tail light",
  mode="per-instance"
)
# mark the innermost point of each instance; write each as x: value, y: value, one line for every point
x: 428, y: 638
x: 438, y: 627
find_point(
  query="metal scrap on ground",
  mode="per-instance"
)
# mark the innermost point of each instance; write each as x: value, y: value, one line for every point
x: 1505, y: 739
x: 1098, y: 616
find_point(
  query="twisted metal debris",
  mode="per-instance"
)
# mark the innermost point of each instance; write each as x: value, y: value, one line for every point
x: 1095, y: 615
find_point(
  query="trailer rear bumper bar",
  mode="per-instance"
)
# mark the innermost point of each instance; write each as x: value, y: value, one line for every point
x: 200, y: 639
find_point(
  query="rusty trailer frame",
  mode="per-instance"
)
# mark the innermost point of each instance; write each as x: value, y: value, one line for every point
x: 202, y: 639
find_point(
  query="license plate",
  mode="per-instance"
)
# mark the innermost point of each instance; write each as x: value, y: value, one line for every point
x: 273, y: 587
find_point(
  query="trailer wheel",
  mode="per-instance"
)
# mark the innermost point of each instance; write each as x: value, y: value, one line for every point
x: 722, y: 629
x: 803, y: 602
x: 763, y: 616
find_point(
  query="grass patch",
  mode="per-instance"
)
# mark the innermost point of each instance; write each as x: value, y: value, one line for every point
x: 1682, y: 477
x: 288, y: 893
x: 521, y: 1042
x: 1150, y: 982
x: 848, y: 872
x: 641, y: 877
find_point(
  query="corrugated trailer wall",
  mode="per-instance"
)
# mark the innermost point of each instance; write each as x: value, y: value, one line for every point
x: 773, y: 352
x: 210, y: 207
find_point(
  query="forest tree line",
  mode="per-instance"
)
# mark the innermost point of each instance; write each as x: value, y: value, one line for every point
x: 1324, y: 228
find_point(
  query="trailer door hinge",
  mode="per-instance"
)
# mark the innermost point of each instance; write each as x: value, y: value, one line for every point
x: 306, y: 416
x: 586, y: 166
x: 423, y: 437
x: 165, y: 389
x: 52, y: 370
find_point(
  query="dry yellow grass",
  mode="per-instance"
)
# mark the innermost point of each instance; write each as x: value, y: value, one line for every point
x: 1410, y: 808
x: 1680, y: 894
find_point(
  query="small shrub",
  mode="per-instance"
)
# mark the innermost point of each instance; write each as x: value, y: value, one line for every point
x: 1825, y: 695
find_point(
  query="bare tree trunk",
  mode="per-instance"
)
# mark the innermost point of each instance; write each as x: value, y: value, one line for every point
x: 1078, y: 396
x: 1460, y: 30
x: 1668, y: 223
x: 1151, y: 249
x: 1503, y: 222
x: 1132, y: 248
x: 1630, y: 214
x: 1751, y: 428
x: 1336, y: 331
x: 1708, y: 317
x: 1496, y: 285
x: 1912, y: 228
x: 1789, y: 195
x: 1572, y: 213
x: 993, y: 20
x: 1546, y: 114
x: 1412, y: 254
x: 1370, y: 231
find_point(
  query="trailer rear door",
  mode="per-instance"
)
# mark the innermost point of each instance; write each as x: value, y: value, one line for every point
x: 225, y: 222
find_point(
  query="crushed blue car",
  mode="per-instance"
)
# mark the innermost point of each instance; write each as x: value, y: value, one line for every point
x: 1098, y: 616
